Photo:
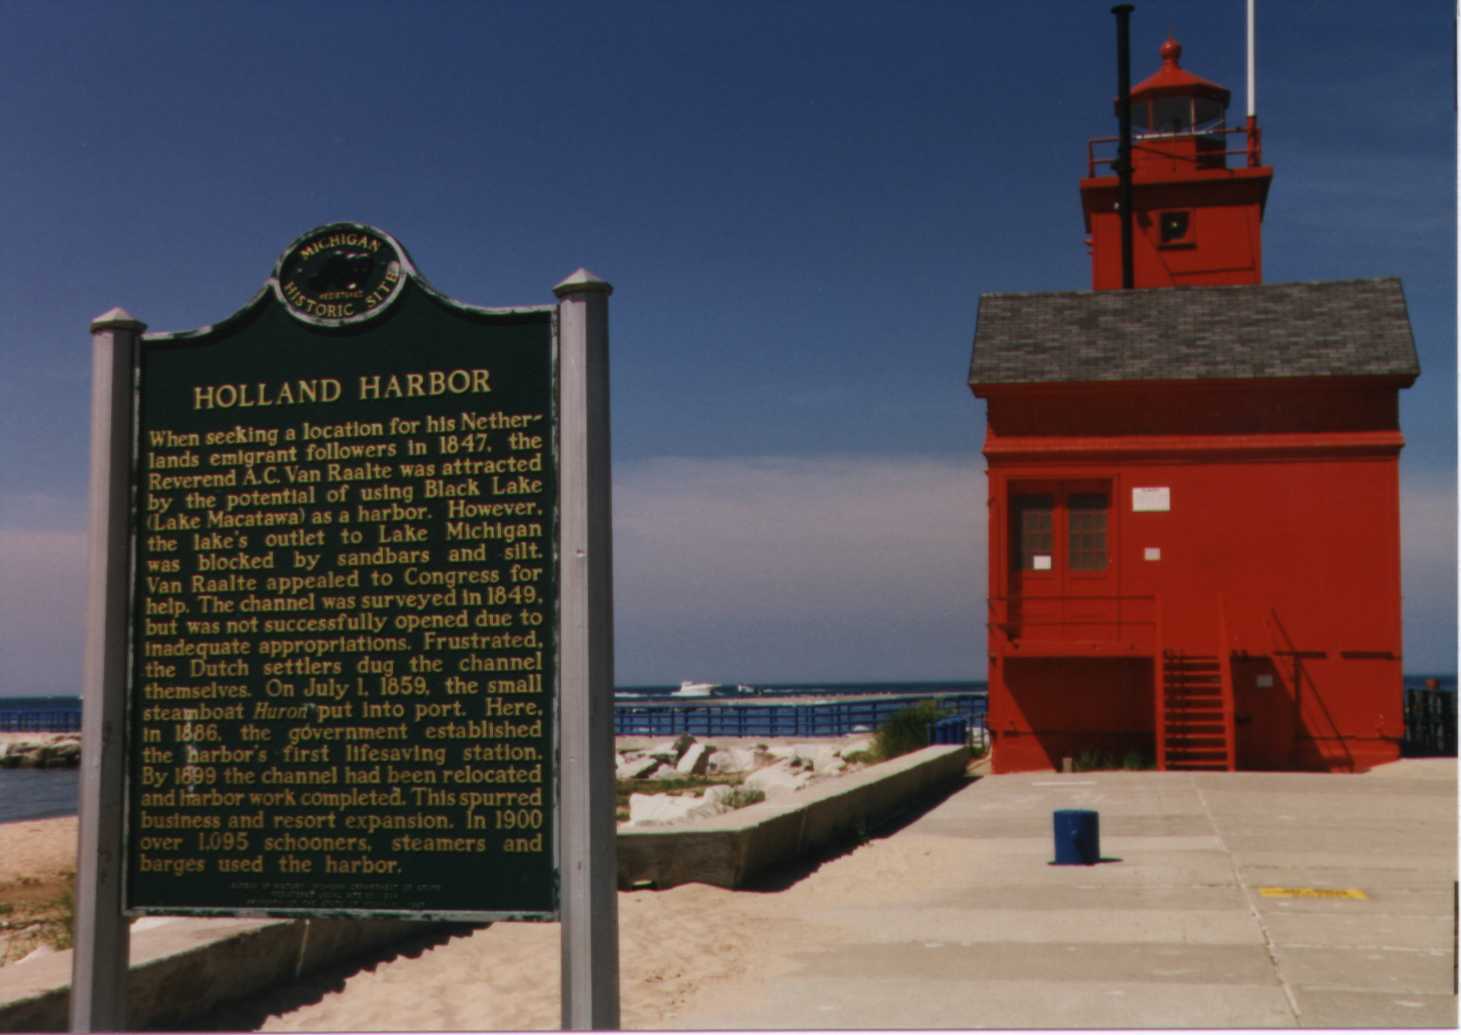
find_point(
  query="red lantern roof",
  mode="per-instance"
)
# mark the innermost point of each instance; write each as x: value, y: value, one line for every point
x: 1174, y: 80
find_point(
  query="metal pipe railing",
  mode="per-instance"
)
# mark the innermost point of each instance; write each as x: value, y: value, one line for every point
x: 1225, y: 670
x: 1248, y: 152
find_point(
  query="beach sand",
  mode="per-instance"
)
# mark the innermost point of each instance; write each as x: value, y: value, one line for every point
x: 37, y: 862
x: 678, y: 948
x: 675, y: 946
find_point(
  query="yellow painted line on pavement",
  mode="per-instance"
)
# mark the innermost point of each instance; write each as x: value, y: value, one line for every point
x: 1354, y: 893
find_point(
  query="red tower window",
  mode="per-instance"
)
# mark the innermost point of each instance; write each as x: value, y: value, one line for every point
x: 1175, y: 227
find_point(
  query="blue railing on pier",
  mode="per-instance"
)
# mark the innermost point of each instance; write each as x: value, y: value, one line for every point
x: 953, y: 730
x: 35, y: 720
x: 800, y: 719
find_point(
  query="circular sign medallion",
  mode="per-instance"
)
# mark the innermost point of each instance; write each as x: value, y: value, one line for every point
x: 340, y: 274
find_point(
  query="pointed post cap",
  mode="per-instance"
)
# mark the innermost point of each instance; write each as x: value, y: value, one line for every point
x: 117, y: 319
x: 582, y: 282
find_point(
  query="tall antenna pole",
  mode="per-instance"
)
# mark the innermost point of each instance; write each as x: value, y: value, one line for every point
x: 1255, y: 142
x: 1123, y: 155
x: 1252, y: 77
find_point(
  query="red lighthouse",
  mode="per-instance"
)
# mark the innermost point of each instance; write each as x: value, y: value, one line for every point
x: 1193, y: 489
x: 1198, y: 197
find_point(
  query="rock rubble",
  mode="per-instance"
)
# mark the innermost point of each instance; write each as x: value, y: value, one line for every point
x: 771, y: 769
x: 44, y: 751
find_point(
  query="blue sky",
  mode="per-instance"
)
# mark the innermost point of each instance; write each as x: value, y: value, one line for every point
x: 798, y: 204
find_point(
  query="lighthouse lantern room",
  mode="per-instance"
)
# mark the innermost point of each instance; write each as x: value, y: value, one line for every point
x: 1199, y: 187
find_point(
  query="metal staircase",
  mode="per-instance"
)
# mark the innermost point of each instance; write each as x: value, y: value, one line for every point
x: 1196, y: 728
x: 1194, y: 696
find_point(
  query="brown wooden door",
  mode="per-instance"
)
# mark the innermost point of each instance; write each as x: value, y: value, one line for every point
x: 1061, y: 572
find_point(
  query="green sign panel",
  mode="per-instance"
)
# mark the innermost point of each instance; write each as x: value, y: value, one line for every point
x: 343, y: 678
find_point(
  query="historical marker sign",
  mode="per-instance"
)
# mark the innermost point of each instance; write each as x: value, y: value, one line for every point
x: 343, y: 662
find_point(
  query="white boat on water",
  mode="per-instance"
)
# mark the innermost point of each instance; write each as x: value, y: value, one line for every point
x: 689, y: 689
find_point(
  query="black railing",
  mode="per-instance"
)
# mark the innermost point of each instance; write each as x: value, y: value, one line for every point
x: 1430, y: 723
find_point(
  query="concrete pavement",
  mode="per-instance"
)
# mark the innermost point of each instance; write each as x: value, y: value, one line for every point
x: 1227, y: 900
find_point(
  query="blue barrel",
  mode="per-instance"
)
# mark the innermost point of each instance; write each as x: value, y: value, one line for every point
x: 1077, y: 837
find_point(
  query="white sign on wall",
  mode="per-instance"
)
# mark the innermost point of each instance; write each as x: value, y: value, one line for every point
x: 1151, y: 498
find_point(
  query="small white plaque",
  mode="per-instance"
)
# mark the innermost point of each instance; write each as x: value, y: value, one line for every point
x: 1041, y: 562
x: 1265, y: 681
x: 1152, y: 498
x: 1152, y: 553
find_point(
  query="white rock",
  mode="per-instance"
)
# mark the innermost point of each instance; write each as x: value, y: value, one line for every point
x: 637, y: 768
x: 671, y: 750
x: 733, y: 760
x: 694, y: 761
x: 716, y: 795
x: 662, y: 809
x: 820, y: 758
x: 778, y: 779
x: 854, y: 746
x: 657, y: 809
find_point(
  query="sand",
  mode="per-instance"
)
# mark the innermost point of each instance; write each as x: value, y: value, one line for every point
x: 676, y: 946
x: 673, y: 943
x: 37, y: 862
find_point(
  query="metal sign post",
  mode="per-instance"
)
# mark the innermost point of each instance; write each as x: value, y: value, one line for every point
x: 590, y: 932
x: 99, y: 958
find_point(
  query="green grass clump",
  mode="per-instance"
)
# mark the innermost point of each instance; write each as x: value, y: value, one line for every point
x: 678, y: 785
x: 906, y: 729
x: 740, y: 797
x: 1093, y: 759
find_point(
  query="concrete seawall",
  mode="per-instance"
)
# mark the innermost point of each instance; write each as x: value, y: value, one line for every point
x: 734, y: 848
x: 182, y: 967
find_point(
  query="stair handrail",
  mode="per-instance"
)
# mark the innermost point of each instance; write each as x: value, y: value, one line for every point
x: 1159, y: 683
x: 1225, y: 669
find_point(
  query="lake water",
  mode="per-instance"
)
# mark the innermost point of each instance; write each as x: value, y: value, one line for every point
x: 38, y: 793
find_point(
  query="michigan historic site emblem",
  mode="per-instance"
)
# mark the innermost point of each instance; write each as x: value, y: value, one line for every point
x: 340, y: 274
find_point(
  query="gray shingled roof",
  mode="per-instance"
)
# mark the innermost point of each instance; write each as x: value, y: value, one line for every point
x: 1346, y: 328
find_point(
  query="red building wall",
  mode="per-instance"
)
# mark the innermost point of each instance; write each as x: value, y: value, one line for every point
x: 1222, y: 245
x: 1282, y: 503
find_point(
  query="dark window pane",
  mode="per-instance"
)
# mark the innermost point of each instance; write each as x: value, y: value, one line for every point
x: 1032, y: 530
x: 1209, y: 112
x: 1088, y: 516
x: 1173, y: 114
x: 1174, y: 226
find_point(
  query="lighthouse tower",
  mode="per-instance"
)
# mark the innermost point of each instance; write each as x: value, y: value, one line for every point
x: 1198, y: 187
x: 1194, y: 505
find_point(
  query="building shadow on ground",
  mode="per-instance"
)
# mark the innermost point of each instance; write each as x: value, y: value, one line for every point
x: 788, y: 874
x: 251, y: 1013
